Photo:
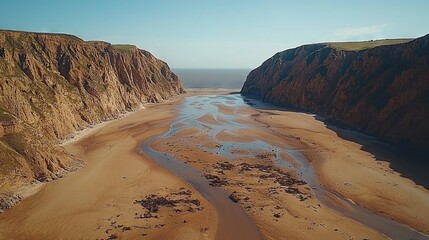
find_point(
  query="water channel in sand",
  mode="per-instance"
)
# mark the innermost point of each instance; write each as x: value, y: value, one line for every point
x: 233, y: 222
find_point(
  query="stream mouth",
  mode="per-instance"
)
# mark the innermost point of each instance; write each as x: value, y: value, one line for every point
x: 233, y: 221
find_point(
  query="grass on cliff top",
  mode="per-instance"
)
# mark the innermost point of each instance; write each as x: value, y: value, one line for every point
x: 123, y: 47
x: 65, y: 35
x: 356, y: 46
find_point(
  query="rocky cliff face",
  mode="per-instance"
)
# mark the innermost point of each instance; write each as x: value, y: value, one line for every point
x: 382, y: 91
x: 52, y: 85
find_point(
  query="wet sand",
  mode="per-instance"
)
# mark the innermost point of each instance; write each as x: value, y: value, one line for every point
x: 281, y: 207
x: 210, y: 148
x: 101, y: 200
x: 122, y: 192
x: 344, y: 168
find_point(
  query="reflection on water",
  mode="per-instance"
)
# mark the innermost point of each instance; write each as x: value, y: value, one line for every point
x: 196, y: 107
x: 193, y: 113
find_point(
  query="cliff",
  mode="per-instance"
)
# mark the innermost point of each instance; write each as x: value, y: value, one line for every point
x: 380, y: 90
x: 54, y: 84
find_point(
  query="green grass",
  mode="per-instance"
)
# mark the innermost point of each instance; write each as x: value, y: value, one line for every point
x: 123, y: 47
x: 357, y: 46
x: 27, y: 33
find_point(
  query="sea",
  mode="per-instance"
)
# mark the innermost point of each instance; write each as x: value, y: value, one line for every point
x: 230, y: 79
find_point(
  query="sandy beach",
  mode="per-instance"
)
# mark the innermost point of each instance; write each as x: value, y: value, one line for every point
x: 99, y: 201
x: 344, y: 168
x: 123, y: 193
x: 254, y: 181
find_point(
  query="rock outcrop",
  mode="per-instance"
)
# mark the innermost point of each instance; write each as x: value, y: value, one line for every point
x: 382, y: 91
x: 54, y: 84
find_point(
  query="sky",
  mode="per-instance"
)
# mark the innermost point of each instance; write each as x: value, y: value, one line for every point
x: 219, y: 33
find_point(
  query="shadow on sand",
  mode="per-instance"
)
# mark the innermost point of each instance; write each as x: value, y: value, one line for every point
x: 410, y: 161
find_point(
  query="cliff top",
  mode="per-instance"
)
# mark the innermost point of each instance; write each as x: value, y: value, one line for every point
x: 123, y: 47
x: 67, y: 37
x: 54, y: 84
x: 357, y: 46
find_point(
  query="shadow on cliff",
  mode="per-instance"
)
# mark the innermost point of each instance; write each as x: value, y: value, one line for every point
x: 409, y: 161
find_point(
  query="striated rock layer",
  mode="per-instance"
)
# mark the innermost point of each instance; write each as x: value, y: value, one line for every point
x: 382, y: 91
x: 53, y: 84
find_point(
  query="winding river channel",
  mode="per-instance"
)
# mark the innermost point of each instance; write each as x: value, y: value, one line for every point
x: 233, y: 221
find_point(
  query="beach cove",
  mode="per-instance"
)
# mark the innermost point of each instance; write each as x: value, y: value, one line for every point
x: 267, y: 165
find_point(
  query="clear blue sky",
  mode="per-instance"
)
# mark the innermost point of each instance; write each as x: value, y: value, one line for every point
x: 219, y: 33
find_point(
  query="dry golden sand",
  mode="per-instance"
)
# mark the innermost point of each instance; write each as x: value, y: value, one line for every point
x: 370, y: 183
x: 263, y: 198
x: 98, y: 201
x: 304, y: 219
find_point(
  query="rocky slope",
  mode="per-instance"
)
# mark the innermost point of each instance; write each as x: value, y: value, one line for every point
x: 382, y: 91
x: 52, y: 85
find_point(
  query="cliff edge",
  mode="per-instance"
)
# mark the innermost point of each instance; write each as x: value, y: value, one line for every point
x: 54, y: 84
x: 381, y: 89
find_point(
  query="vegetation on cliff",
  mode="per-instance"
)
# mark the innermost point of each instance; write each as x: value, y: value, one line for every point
x: 380, y: 87
x: 54, y: 84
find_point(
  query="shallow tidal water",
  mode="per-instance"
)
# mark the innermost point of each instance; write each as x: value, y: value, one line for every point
x: 233, y: 220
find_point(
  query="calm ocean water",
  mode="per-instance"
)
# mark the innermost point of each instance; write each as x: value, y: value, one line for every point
x: 213, y: 78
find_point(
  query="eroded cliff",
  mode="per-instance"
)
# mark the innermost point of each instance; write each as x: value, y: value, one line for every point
x: 382, y: 91
x: 52, y: 85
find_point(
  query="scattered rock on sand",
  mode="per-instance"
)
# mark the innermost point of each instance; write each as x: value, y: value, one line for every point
x: 233, y: 196
x: 126, y: 229
x: 112, y: 237
x: 224, y: 166
x: 8, y: 200
x: 184, y: 203
x: 216, y: 181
